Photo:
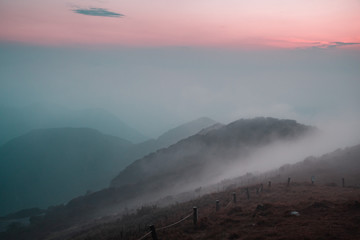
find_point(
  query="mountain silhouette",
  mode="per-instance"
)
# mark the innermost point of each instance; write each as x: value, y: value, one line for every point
x: 51, y: 166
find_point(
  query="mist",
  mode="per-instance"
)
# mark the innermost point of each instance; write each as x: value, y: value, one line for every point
x: 168, y: 86
x: 338, y: 133
x: 334, y: 134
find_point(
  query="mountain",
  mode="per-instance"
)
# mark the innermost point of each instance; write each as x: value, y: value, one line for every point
x: 195, y: 161
x: 204, y: 156
x: 170, y: 137
x: 51, y: 166
x: 101, y: 120
x: 170, y: 170
x: 15, y: 122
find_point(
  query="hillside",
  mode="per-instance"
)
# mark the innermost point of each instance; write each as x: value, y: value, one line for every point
x: 300, y: 210
x: 199, y: 158
x: 51, y: 166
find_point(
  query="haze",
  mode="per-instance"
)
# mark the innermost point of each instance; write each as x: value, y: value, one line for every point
x: 154, y: 89
x: 162, y: 64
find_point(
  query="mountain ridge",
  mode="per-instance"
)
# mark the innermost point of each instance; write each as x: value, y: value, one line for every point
x: 221, y: 142
x: 170, y: 137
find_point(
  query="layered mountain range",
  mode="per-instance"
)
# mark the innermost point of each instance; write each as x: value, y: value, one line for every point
x: 197, y: 160
x: 53, y: 165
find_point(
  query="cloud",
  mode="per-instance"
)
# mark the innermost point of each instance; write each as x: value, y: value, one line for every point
x: 97, y: 12
x: 335, y: 44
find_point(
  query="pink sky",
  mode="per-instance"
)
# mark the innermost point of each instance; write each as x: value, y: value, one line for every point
x: 223, y: 23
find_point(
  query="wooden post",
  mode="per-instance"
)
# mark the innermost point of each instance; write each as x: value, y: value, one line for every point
x: 261, y: 187
x: 247, y: 193
x: 234, y: 197
x: 312, y: 180
x: 269, y: 184
x: 195, y: 216
x: 343, y: 182
x: 153, y: 232
x: 288, y: 182
x: 217, y: 205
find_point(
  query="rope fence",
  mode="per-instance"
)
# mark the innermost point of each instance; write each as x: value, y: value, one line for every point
x: 165, y: 227
x: 258, y: 189
x: 176, y: 222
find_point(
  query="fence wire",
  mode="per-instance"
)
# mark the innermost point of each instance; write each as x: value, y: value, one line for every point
x: 173, y: 224
x: 144, y: 236
x: 165, y: 227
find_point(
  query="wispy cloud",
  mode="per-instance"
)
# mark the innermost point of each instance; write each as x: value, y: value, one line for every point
x: 335, y: 44
x: 343, y: 43
x: 102, y: 12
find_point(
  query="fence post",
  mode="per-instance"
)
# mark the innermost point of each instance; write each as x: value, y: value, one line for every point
x: 288, y: 182
x: 195, y: 216
x: 247, y: 193
x: 153, y: 232
x: 343, y: 182
x: 234, y: 197
x: 312, y: 180
x: 217, y: 205
x: 261, y: 187
x: 269, y: 184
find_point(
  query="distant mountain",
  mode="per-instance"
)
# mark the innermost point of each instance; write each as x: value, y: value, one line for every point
x: 185, y: 130
x: 103, y: 121
x: 199, y: 158
x: 15, y: 122
x: 51, y: 166
x: 170, y: 137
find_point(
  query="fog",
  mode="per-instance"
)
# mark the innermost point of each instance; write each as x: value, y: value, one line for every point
x: 335, y: 134
x: 155, y: 89
x: 152, y: 90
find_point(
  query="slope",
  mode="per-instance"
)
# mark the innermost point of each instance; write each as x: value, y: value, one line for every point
x: 300, y: 210
x: 202, y: 157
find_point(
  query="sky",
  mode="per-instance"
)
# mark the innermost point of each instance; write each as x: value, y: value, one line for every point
x: 157, y: 64
x: 230, y: 23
